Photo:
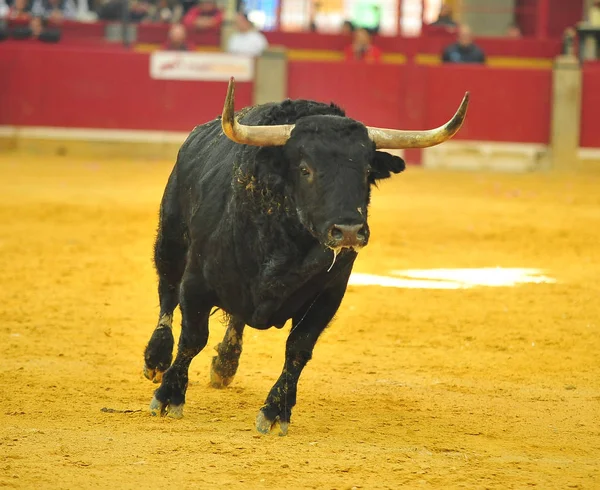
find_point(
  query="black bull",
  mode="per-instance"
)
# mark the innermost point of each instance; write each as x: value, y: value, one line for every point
x: 263, y: 216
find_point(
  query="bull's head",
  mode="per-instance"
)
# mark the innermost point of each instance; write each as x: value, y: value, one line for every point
x: 331, y: 162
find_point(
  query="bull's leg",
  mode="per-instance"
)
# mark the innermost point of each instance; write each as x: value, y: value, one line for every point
x: 170, y: 252
x: 169, y: 398
x: 225, y: 364
x: 307, y: 326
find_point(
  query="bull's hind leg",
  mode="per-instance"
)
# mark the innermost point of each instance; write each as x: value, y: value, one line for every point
x: 170, y: 251
x: 307, y: 326
x: 225, y: 364
x: 169, y: 398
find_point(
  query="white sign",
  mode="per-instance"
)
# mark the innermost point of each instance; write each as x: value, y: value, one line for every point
x: 213, y: 67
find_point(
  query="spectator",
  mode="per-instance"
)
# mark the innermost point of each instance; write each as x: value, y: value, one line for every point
x: 205, y: 15
x: 465, y: 50
x: 513, y: 31
x: 246, y: 40
x: 37, y: 29
x: 347, y: 28
x: 54, y: 10
x: 4, y: 9
x: 139, y: 10
x: 176, y: 41
x: 362, y: 49
x: 20, y: 11
x: 166, y: 11
x: 445, y: 18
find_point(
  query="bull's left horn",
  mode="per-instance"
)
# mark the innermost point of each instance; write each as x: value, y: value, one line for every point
x: 397, y: 139
x: 250, y: 135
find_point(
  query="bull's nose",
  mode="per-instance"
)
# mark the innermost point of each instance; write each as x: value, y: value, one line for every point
x: 348, y: 235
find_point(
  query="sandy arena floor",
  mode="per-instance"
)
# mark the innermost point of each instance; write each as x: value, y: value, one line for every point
x: 488, y: 387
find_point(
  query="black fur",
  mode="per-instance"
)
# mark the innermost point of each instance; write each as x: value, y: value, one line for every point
x: 243, y: 228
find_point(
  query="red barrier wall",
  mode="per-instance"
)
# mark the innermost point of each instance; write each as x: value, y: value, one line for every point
x: 100, y: 88
x: 590, y: 106
x: 511, y: 105
x: 110, y: 88
x: 373, y: 96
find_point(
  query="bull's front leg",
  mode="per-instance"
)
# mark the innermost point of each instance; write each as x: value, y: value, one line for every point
x: 169, y: 398
x: 307, y: 326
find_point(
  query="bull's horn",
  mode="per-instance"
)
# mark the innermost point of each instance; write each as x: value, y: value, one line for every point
x: 250, y: 135
x: 397, y: 139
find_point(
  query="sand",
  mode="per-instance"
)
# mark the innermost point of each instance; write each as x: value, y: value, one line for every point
x: 487, y: 387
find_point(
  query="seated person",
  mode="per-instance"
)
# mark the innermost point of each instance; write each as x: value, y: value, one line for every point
x: 139, y: 9
x: 37, y: 29
x: 465, y: 50
x: 176, y: 41
x: 166, y: 11
x: 347, y: 28
x: 55, y: 10
x: 4, y: 9
x: 445, y: 19
x: 247, y: 39
x: 362, y: 49
x: 513, y: 32
x: 206, y: 15
x: 20, y: 11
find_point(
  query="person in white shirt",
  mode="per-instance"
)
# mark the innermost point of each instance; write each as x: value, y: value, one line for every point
x: 247, y: 40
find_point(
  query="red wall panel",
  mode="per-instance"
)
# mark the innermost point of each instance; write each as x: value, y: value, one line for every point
x: 101, y: 88
x: 373, y: 95
x: 64, y: 86
x: 590, y: 106
x: 510, y: 105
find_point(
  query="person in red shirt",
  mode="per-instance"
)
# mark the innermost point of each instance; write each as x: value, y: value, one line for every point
x: 205, y: 15
x: 361, y: 48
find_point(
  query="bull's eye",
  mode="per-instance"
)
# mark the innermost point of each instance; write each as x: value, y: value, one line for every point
x: 305, y: 171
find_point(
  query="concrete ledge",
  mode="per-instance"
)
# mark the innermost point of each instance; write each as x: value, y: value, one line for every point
x: 92, y: 143
x: 484, y: 155
x: 164, y: 145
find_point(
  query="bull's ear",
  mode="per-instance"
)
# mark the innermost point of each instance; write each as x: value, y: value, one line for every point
x: 384, y: 165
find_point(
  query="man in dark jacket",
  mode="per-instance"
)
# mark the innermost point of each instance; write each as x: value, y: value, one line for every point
x: 465, y: 50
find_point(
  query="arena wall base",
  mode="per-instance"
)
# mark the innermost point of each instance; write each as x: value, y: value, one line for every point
x: 164, y: 145
x: 482, y: 155
x: 92, y: 143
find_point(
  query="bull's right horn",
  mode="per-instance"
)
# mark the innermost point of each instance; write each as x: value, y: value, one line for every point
x: 397, y: 139
x: 250, y: 135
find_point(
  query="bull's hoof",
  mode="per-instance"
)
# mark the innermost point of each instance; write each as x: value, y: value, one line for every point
x: 160, y: 409
x: 217, y: 377
x: 153, y: 375
x: 265, y: 425
x: 158, y: 354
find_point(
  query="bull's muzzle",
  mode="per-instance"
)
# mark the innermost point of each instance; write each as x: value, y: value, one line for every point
x: 348, y: 236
